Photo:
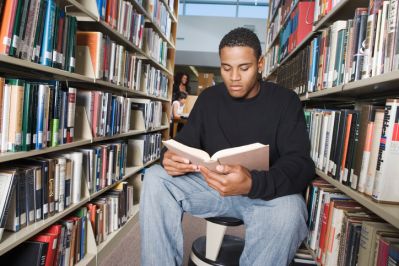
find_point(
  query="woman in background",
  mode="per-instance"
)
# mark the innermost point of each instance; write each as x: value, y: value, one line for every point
x: 181, y: 84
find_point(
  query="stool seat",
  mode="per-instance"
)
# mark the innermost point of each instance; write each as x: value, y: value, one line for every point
x: 227, y: 221
x: 216, y: 248
x: 229, y: 254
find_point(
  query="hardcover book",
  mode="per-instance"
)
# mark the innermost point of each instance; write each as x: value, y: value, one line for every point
x: 253, y: 156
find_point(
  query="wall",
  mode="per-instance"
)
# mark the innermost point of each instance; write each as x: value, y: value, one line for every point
x: 198, y: 37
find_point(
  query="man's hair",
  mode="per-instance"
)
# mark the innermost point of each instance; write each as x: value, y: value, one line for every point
x: 181, y: 95
x: 242, y: 37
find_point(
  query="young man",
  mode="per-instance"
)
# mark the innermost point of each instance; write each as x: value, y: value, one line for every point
x: 241, y: 111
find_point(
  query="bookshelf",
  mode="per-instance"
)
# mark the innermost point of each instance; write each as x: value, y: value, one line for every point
x: 11, y: 240
x: 389, y: 212
x: 88, y: 19
x: 352, y: 93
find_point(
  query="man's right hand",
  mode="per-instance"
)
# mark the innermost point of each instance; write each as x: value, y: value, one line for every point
x: 176, y: 165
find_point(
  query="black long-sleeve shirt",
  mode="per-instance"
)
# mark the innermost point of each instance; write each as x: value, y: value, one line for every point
x: 274, y: 117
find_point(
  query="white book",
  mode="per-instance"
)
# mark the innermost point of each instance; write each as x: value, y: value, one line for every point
x: 376, y: 43
x: 323, y: 136
x: 77, y: 158
x: 252, y: 156
x: 369, y: 42
x: 330, y: 132
x: 5, y: 117
x: 382, y: 39
x: 386, y: 182
x: 371, y: 170
x: 390, y: 35
x: 333, y: 49
x: 60, y: 167
x: 8, y: 182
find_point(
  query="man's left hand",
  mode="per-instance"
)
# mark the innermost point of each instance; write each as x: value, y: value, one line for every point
x: 228, y: 180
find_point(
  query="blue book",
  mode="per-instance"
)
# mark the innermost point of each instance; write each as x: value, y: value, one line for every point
x: 46, y: 52
x: 315, y: 63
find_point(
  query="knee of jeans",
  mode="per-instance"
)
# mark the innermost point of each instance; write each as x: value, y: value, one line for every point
x: 292, y: 212
x: 153, y: 179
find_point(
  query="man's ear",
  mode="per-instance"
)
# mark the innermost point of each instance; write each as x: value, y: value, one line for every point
x: 261, y: 63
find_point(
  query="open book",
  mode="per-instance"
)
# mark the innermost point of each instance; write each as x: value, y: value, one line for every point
x: 253, y: 156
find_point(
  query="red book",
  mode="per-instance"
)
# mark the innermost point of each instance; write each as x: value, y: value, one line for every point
x: 52, y: 240
x: 303, y: 22
x: 55, y: 229
x: 7, y: 25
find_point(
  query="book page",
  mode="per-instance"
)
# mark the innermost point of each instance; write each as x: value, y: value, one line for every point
x: 194, y: 155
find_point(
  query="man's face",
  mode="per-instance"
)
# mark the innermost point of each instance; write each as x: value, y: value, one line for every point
x: 239, y: 70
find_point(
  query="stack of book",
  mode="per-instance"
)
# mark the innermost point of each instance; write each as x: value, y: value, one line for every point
x: 341, y: 232
x: 64, y: 243
x: 35, y: 114
x: 104, y: 164
x: 155, y: 46
x: 357, y: 148
x: 144, y: 149
x: 122, y: 16
x: 347, y: 51
x: 160, y: 15
x: 110, y: 212
x: 38, y: 31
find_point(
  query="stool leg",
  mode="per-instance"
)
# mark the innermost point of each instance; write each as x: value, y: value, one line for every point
x: 214, y: 238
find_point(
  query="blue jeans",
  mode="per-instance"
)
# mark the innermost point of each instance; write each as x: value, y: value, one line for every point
x: 273, y: 229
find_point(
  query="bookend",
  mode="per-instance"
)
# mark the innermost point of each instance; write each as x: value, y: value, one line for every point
x: 84, y: 64
x: 137, y: 120
x: 91, y: 7
x: 82, y: 125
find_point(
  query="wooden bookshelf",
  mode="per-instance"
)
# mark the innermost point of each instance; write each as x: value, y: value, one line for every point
x: 389, y: 212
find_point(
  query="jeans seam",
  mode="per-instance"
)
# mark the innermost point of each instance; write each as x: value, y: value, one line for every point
x: 251, y: 211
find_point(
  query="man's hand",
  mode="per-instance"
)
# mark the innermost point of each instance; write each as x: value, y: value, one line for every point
x: 176, y: 165
x: 229, y: 180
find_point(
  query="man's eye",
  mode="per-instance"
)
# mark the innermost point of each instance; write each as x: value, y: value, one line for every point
x: 244, y: 68
x: 226, y: 69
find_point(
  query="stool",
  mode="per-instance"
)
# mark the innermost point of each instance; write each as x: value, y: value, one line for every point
x: 216, y: 248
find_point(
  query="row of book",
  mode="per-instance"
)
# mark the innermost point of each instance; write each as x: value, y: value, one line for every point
x: 63, y: 243
x: 111, y: 211
x: 155, y: 46
x: 297, y: 27
x: 358, y: 147
x: 349, y: 50
x: 144, y: 149
x: 38, y: 31
x: 39, y: 187
x: 104, y: 164
x: 122, y: 16
x: 278, y: 20
x: 110, y: 115
x: 102, y: 58
x: 341, y: 232
x: 35, y: 115
x: 160, y: 15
